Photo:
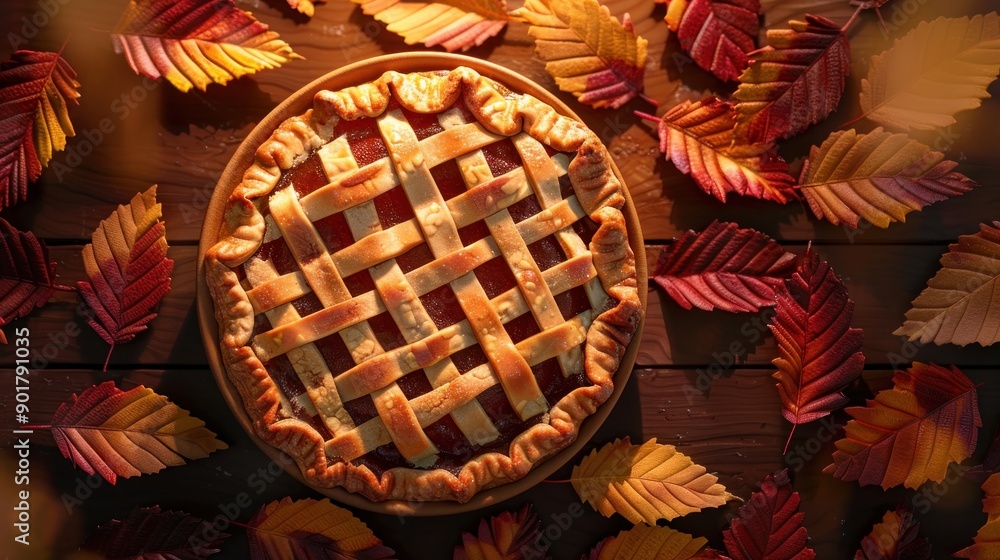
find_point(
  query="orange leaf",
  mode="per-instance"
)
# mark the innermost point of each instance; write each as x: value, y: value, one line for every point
x: 794, y: 82
x: 940, y: 68
x: 959, y: 305
x: 193, y: 43
x: 456, y: 25
x: 129, y: 271
x: 591, y: 55
x: 645, y: 483
x: 643, y: 542
x: 305, y: 7
x: 35, y: 90
x: 879, y: 176
x: 698, y: 138
x: 312, y: 529
x: 911, y: 433
x: 988, y: 538
x: 717, y: 34
x: 895, y: 538
x: 507, y: 536
x: 128, y: 433
x: 819, y: 352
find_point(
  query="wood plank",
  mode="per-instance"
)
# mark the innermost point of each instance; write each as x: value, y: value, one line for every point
x: 672, y: 336
x: 881, y: 279
x: 734, y: 429
x: 182, y: 141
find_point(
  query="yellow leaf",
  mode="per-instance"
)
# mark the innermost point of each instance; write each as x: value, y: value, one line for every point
x: 311, y: 529
x: 452, y: 24
x: 646, y: 482
x: 988, y: 538
x: 643, y: 542
x: 589, y: 53
x: 193, y: 43
x: 937, y: 70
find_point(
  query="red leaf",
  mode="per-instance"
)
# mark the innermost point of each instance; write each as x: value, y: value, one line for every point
x: 128, y: 268
x: 725, y: 267
x: 27, y: 278
x: 698, y: 138
x: 794, y: 82
x: 718, y: 34
x: 35, y: 88
x: 911, y: 433
x: 151, y: 534
x: 510, y: 536
x: 769, y: 526
x: 819, y: 352
x: 895, y: 538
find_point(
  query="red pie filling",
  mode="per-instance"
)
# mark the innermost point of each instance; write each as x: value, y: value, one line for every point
x: 455, y: 450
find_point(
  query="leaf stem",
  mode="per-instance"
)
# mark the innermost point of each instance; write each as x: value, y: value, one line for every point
x: 647, y: 116
x: 36, y: 427
x: 108, y: 358
x: 649, y: 100
x: 555, y: 481
x: 851, y: 21
x: 789, y: 440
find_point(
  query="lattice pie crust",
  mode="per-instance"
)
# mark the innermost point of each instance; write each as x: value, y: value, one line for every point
x: 248, y: 289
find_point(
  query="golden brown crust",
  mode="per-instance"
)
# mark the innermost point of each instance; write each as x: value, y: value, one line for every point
x: 599, y: 193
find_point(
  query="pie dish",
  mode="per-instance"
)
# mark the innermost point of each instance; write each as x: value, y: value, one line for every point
x: 423, y: 285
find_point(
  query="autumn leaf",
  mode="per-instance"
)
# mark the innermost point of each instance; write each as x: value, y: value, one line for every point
x: 35, y: 91
x: 456, y: 25
x: 937, y: 70
x: 507, y: 536
x: 152, y: 534
x: 311, y: 529
x: 645, y: 482
x: 305, y: 7
x: 698, y: 138
x: 115, y: 433
x: 880, y: 177
x: 27, y: 278
x: 591, y: 55
x: 959, y: 305
x: 987, y: 540
x: 643, y: 542
x: 129, y: 271
x: 911, y: 433
x: 895, y: 538
x: 193, y: 43
x: 819, y: 354
x: 794, y: 82
x: 769, y: 525
x: 990, y: 464
x: 723, y: 267
x: 717, y: 34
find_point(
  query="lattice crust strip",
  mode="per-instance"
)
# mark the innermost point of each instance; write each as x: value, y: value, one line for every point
x: 487, y: 198
x: 605, y: 267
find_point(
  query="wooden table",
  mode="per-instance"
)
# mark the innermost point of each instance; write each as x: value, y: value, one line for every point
x: 182, y: 142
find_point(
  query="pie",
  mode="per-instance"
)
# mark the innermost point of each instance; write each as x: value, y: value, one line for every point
x: 424, y: 285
